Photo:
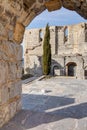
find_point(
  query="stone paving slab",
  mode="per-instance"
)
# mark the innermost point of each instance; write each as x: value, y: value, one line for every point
x: 52, y: 104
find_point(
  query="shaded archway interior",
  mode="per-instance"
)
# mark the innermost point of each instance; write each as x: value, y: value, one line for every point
x: 71, y: 68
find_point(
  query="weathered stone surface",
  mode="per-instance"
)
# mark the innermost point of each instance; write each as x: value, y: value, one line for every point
x: 1, y: 9
x: 68, y: 45
x: 40, y: 1
x: 53, y: 5
x: 4, y: 114
x: 10, y: 84
x: 27, y: 4
x: 3, y: 72
x: 18, y: 33
x: 19, y: 70
x: 10, y: 51
x: 4, y: 94
x: 19, y: 52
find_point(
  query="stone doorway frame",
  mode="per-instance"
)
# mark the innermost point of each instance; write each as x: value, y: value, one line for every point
x: 73, y: 66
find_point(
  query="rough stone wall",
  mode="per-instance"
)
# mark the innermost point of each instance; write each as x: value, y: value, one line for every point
x: 10, y: 61
x: 68, y: 44
x: 75, y: 43
x: 33, y: 52
x: 10, y: 83
x: 14, y: 16
x: 79, y: 65
x: 10, y: 65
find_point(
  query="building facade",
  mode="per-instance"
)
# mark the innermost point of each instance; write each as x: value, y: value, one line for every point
x: 68, y: 46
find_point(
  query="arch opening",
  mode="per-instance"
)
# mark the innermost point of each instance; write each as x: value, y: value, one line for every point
x: 14, y: 17
x: 71, y: 69
x: 55, y: 70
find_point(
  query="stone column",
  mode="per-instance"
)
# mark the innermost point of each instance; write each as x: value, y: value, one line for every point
x: 10, y: 71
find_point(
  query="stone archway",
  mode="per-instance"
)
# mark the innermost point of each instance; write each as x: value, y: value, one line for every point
x: 54, y: 69
x: 71, y: 69
x: 14, y: 17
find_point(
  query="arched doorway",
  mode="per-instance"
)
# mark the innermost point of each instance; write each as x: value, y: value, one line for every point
x: 55, y: 70
x: 71, y: 69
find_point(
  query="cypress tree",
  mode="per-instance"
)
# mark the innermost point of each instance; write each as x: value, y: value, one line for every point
x: 46, y: 52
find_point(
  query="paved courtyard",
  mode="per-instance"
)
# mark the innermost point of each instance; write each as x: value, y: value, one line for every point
x: 52, y: 104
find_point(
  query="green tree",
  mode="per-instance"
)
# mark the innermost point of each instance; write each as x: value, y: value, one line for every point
x: 46, y: 52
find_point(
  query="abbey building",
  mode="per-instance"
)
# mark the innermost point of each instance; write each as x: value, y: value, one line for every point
x: 68, y: 46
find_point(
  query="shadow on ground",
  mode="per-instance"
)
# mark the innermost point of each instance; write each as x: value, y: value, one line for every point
x: 44, y: 102
x: 27, y: 119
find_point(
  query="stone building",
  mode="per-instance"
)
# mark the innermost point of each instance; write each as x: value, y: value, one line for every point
x: 68, y: 46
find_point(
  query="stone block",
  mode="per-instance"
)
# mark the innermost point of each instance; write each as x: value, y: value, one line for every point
x: 12, y: 108
x: 19, y: 52
x: 12, y: 71
x: 18, y: 88
x: 19, y: 70
x: 69, y: 4
x: 11, y: 88
x: 4, y: 114
x: 15, y: 88
x: 3, y: 72
x: 3, y: 31
x: 18, y: 33
x: 4, y: 94
x: 9, y: 49
x: 53, y: 5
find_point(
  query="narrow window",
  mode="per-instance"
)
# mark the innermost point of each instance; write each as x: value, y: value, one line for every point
x: 65, y: 34
x: 85, y: 32
x: 40, y: 36
x: 85, y: 74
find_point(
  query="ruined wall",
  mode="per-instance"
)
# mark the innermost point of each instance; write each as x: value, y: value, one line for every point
x: 67, y: 43
x: 33, y: 52
x: 75, y: 42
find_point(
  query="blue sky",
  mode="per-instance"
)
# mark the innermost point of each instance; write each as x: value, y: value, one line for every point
x: 56, y: 18
x: 59, y: 17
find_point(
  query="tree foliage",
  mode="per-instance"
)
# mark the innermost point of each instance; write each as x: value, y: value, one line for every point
x: 46, y: 52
